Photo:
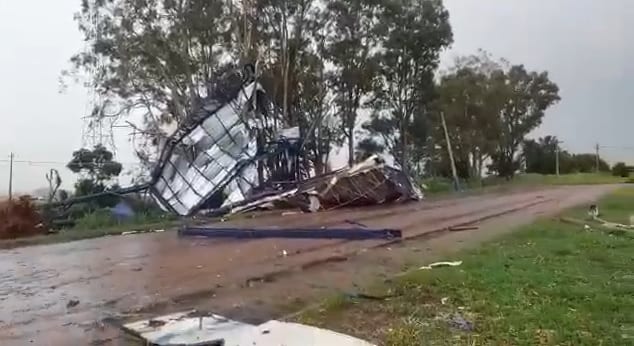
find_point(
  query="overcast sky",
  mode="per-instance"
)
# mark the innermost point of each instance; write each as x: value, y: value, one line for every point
x: 586, y: 45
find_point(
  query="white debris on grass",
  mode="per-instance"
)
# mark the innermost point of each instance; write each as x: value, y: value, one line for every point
x: 190, y: 328
x: 441, y: 264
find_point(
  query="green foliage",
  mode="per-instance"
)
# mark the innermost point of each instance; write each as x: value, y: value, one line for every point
x: 528, y: 95
x: 437, y: 185
x: 620, y: 169
x: 540, y: 157
x: 469, y: 98
x: 489, y: 108
x: 154, y: 55
x: 566, y: 179
x: 414, y: 33
x: 102, y: 218
x: 321, y: 64
x: 586, y: 163
x: 96, y: 167
x: 97, y: 164
x: 352, y: 36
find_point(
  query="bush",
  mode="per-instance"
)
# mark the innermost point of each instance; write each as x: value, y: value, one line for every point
x: 102, y: 218
x: 620, y: 170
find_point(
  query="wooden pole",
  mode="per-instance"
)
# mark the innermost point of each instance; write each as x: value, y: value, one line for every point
x: 557, y: 158
x: 450, y: 152
x: 596, y: 158
x: 11, y: 176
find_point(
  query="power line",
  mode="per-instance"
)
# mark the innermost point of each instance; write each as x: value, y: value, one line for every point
x: 61, y: 162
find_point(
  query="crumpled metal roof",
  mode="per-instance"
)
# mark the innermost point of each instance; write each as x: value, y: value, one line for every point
x: 224, y: 156
x: 215, y: 156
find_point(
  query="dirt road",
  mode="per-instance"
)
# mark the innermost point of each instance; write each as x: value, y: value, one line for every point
x: 127, y: 277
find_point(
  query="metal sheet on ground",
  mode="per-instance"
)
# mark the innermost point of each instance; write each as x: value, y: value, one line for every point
x: 276, y: 333
x: 182, y: 329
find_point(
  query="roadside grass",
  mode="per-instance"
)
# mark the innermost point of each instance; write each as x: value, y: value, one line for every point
x: 549, y: 283
x: 570, y: 179
x: 442, y: 186
x: 73, y: 234
x: 100, y: 224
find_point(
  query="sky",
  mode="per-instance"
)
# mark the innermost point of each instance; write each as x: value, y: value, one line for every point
x: 585, y: 45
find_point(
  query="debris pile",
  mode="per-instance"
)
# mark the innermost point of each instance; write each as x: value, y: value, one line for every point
x: 19, y: 218
x: 236, y: 155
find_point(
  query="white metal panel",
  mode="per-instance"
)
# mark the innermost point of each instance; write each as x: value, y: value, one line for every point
x: 276, y: 333
x: 180, y: 329
x: 211, y: 166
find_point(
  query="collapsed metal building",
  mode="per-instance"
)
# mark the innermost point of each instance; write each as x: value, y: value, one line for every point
x: 236, y: 154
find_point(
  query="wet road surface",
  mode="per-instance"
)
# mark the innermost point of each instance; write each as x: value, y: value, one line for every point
x: 115, y: 277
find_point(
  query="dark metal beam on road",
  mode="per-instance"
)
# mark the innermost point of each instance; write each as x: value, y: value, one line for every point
x: 297, y: 233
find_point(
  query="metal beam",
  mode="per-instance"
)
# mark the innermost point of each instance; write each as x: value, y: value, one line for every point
x: 296, y: 233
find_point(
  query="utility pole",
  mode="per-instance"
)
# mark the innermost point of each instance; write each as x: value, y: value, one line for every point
x: 450, y: 151
x: 557, y: 158
x: 596, y: 158
x: 11, y: 176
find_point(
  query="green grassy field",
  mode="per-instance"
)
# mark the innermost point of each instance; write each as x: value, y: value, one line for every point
x: 444, y: 185
x: 549, y: 283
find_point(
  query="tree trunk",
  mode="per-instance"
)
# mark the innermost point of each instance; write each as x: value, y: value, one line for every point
x: 404, y: 163
x: 351, y: 147
x: 319, y: 166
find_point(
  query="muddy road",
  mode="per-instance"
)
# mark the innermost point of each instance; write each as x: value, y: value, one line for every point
x: 75, y: 293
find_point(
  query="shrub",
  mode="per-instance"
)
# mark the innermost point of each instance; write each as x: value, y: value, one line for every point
x: 620, y: 170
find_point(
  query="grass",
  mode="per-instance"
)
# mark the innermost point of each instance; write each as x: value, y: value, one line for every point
x: 442, y: 185
x: 103, y: 219
x: 549, y: 283
x: 67, y: 235
x: 99, y: 224
x: 570, y: 179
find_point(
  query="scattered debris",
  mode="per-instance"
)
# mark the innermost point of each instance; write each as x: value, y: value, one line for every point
x: 72, y: 303
x: 614, y: 225
x: 441, y: 264
x: 286, y: 213
x: 186, y: 328
x: 235, y: 153
x: 459, y: 322
x: 444, y: 300
x: 356, y: 295
x: 143, y: 231
x: 603, y: 224
x: 462, y: 228
x: 593, y: 211
x: 301, y: 233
